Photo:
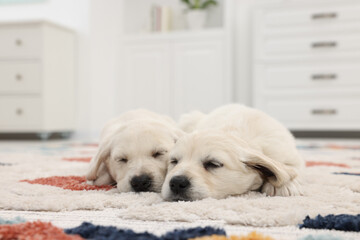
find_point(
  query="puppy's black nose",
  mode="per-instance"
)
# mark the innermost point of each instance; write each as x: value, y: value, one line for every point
x: 141, y: 183
x: 179, y: 184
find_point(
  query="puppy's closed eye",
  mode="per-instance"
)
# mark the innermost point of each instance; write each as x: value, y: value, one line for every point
x: 212, y: 164
x: 121, y: 160
x: 158, y: 153
x: 174, y: 161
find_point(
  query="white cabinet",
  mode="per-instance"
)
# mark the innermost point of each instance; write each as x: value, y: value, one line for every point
x: 306, y: 63
x: 20, y: 77
x: 147, y: 77
x: 37, y: 72
x: 177, y: 73
x: 22, y: 41
x: 199, y: 76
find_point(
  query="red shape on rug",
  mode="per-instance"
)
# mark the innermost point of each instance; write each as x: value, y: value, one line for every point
x: 330, y: 164
x: 75, y: 183
x: 78, y: 159
x: 334, y: 146
x: 34, y: 231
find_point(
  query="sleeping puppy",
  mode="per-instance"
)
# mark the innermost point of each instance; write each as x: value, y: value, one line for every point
x: 235, y: 149
x: 133, y: 152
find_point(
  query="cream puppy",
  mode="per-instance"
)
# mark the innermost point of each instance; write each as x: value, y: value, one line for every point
x: 133, y: 152
x: 234, y: 149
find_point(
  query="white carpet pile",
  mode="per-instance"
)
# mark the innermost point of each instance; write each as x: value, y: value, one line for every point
x: 324, y: 192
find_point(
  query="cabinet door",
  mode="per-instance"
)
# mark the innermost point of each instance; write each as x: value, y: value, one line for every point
x: 147, y: 77
x: 199, y: 76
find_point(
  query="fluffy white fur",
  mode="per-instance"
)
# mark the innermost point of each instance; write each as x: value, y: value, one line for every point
x: 189, y: 121
x: 134, y: 144
x: 234, y: 149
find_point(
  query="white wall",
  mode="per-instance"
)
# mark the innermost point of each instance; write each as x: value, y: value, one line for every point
x: 243, y: 48
x: 73, y: 14
x: 105, y: 35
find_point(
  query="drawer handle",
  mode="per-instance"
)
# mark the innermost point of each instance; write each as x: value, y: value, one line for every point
x: 330, y: 15
x: 323, y: 112
x: 18, y: 42
x: 19, y: 77
x: 317, y: 77
x: 19, y: 112
x: 330, y: 44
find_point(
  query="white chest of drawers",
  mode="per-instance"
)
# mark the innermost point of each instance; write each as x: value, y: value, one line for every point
x: 306, y: 60
x: 37, y: 78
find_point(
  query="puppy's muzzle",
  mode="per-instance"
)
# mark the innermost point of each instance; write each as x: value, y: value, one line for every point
x: 179, y: 185
x: 142, y: 183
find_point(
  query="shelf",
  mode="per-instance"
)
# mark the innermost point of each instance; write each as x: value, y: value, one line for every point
x: 181, y: 34
x: 137, y: 15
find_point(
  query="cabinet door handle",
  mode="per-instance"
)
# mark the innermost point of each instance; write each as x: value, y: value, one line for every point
x: 318, y: 77
x: 330, y: 44
x: 18, y: 42
x: 19, y: 77
x: 328, y: 15
x: 19, y: 112
x: 320, y: 111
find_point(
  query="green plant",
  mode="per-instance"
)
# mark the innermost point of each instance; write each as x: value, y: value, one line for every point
x: 199, y: 4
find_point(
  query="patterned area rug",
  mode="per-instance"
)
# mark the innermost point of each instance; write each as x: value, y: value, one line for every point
x: 49, y: 177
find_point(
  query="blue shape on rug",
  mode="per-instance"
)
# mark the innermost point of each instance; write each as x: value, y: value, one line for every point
x: 343, y: 222
x: 90, y: 231
x: 346, y: 173
x: 13, y: 221
x: 184, y: 234
x: 321, y: 237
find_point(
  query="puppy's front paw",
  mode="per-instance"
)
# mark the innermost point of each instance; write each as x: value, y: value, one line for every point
x: 89, y: 182
x: 291, y: 188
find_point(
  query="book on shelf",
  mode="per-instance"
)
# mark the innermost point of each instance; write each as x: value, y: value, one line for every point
x: 160, y: 18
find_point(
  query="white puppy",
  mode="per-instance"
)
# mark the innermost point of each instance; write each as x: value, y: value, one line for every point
x: 133, y: 151
x: 234, y: 149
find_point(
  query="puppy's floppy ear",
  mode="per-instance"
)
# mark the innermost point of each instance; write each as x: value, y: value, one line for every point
x: 97, y: 166
x: 272, y: 171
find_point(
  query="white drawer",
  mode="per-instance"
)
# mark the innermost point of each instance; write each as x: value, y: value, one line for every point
x: 323, y: 110
x: 320, y: 15
x: 20, y: 42
x: 316, y: 46
x: 330, y: 76
x: 20, y: 77
x: 20, y: 112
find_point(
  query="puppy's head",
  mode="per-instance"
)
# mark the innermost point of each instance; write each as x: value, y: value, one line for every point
x: 217, y: 164
x: 135, y: 156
